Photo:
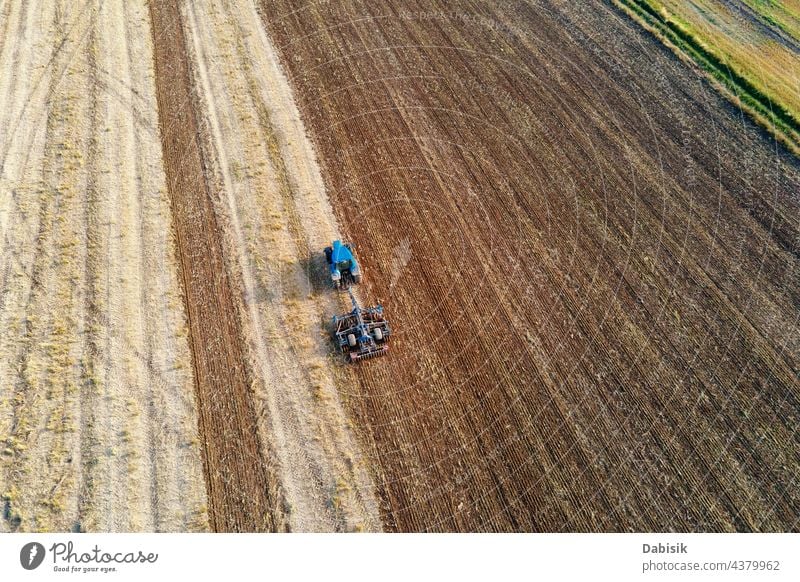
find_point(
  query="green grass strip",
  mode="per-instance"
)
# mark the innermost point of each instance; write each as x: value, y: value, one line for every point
x: 768, y: 112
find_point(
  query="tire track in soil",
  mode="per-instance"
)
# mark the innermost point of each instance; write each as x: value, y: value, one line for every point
x: 144, y: 275
x: 234, y: 464
x: 87, y: 411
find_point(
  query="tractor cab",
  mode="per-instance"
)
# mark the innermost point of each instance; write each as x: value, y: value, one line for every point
x: 343, y: 266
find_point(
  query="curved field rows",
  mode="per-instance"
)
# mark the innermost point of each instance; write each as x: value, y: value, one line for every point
x: 97, y: 417
x: 589, y: 259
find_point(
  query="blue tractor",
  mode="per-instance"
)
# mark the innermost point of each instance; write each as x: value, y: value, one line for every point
x: 363, y: 332
x: 343, y: 265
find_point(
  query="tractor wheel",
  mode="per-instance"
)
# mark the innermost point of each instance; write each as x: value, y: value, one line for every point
x: 378, y: 334
x: 351, y: 340
x: 357, y: 279
x: 328, y: 251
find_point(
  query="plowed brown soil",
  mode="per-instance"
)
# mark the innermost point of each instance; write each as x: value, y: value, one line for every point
x: 589, y: 259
